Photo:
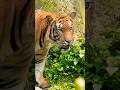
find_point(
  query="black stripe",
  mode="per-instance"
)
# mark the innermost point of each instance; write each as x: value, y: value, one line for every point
x: 54, y: 30
x: 39, y: 61
x: 45, y: 32
x: 40, y: 41
x: 51, y: 30
x: 24, y: 13
x: 7, y: 67
x: 61, y: 18
x: 8, y: 84
x: 12, y: 37
x: 50, y: 33
x: 37, y: 54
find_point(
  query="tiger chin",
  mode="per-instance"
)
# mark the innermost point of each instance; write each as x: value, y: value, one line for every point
x: 50, y: 28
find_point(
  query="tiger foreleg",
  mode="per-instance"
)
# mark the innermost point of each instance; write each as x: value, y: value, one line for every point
x: 39, y: 69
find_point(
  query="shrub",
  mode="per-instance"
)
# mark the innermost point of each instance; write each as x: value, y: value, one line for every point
x: 62, y: 65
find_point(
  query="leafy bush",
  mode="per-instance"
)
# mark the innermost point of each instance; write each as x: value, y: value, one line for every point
x: 66, y: 65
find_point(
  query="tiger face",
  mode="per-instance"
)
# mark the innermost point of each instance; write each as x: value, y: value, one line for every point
x: 62, y: 32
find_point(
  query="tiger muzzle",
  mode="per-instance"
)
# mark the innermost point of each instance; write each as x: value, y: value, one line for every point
x: 65, y: 46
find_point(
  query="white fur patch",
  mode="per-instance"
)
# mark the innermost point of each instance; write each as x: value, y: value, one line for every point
x: 37, y: 72
x: 37, y: 88
x: 39, y: 68
x: 70, y: 23
x: 59, y: 25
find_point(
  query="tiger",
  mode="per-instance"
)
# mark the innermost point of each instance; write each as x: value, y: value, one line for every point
x: 50, y: 28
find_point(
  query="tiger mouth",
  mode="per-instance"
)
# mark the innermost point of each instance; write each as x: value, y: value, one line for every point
x: 65, y: 47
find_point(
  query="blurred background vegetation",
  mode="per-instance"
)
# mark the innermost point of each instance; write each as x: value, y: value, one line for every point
x: 103, y: 50
x: 64, y: 67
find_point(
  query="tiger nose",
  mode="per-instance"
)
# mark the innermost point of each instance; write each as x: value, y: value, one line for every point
x: 68, y: 41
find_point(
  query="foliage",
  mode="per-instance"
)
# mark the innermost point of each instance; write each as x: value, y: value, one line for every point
x: 103, y: 51
x: 101, y: 55
x: 47, y: 5
x: 66, y: 66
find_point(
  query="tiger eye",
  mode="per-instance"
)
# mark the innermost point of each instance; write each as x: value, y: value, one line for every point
x: 71, y: 28
x: 60, y: 21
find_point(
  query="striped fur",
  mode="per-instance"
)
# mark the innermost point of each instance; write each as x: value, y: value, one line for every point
x: 50, y: 28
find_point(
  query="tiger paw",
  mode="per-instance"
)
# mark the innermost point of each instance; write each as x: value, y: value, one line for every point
x: 43, y: 84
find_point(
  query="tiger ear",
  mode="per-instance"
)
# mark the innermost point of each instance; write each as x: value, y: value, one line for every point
x: 49, y: 19
x: 73, y: 15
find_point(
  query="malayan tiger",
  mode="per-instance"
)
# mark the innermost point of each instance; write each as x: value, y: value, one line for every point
x: 50, y: 28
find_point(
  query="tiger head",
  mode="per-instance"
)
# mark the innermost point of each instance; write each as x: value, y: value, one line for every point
x: 62, y: 31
